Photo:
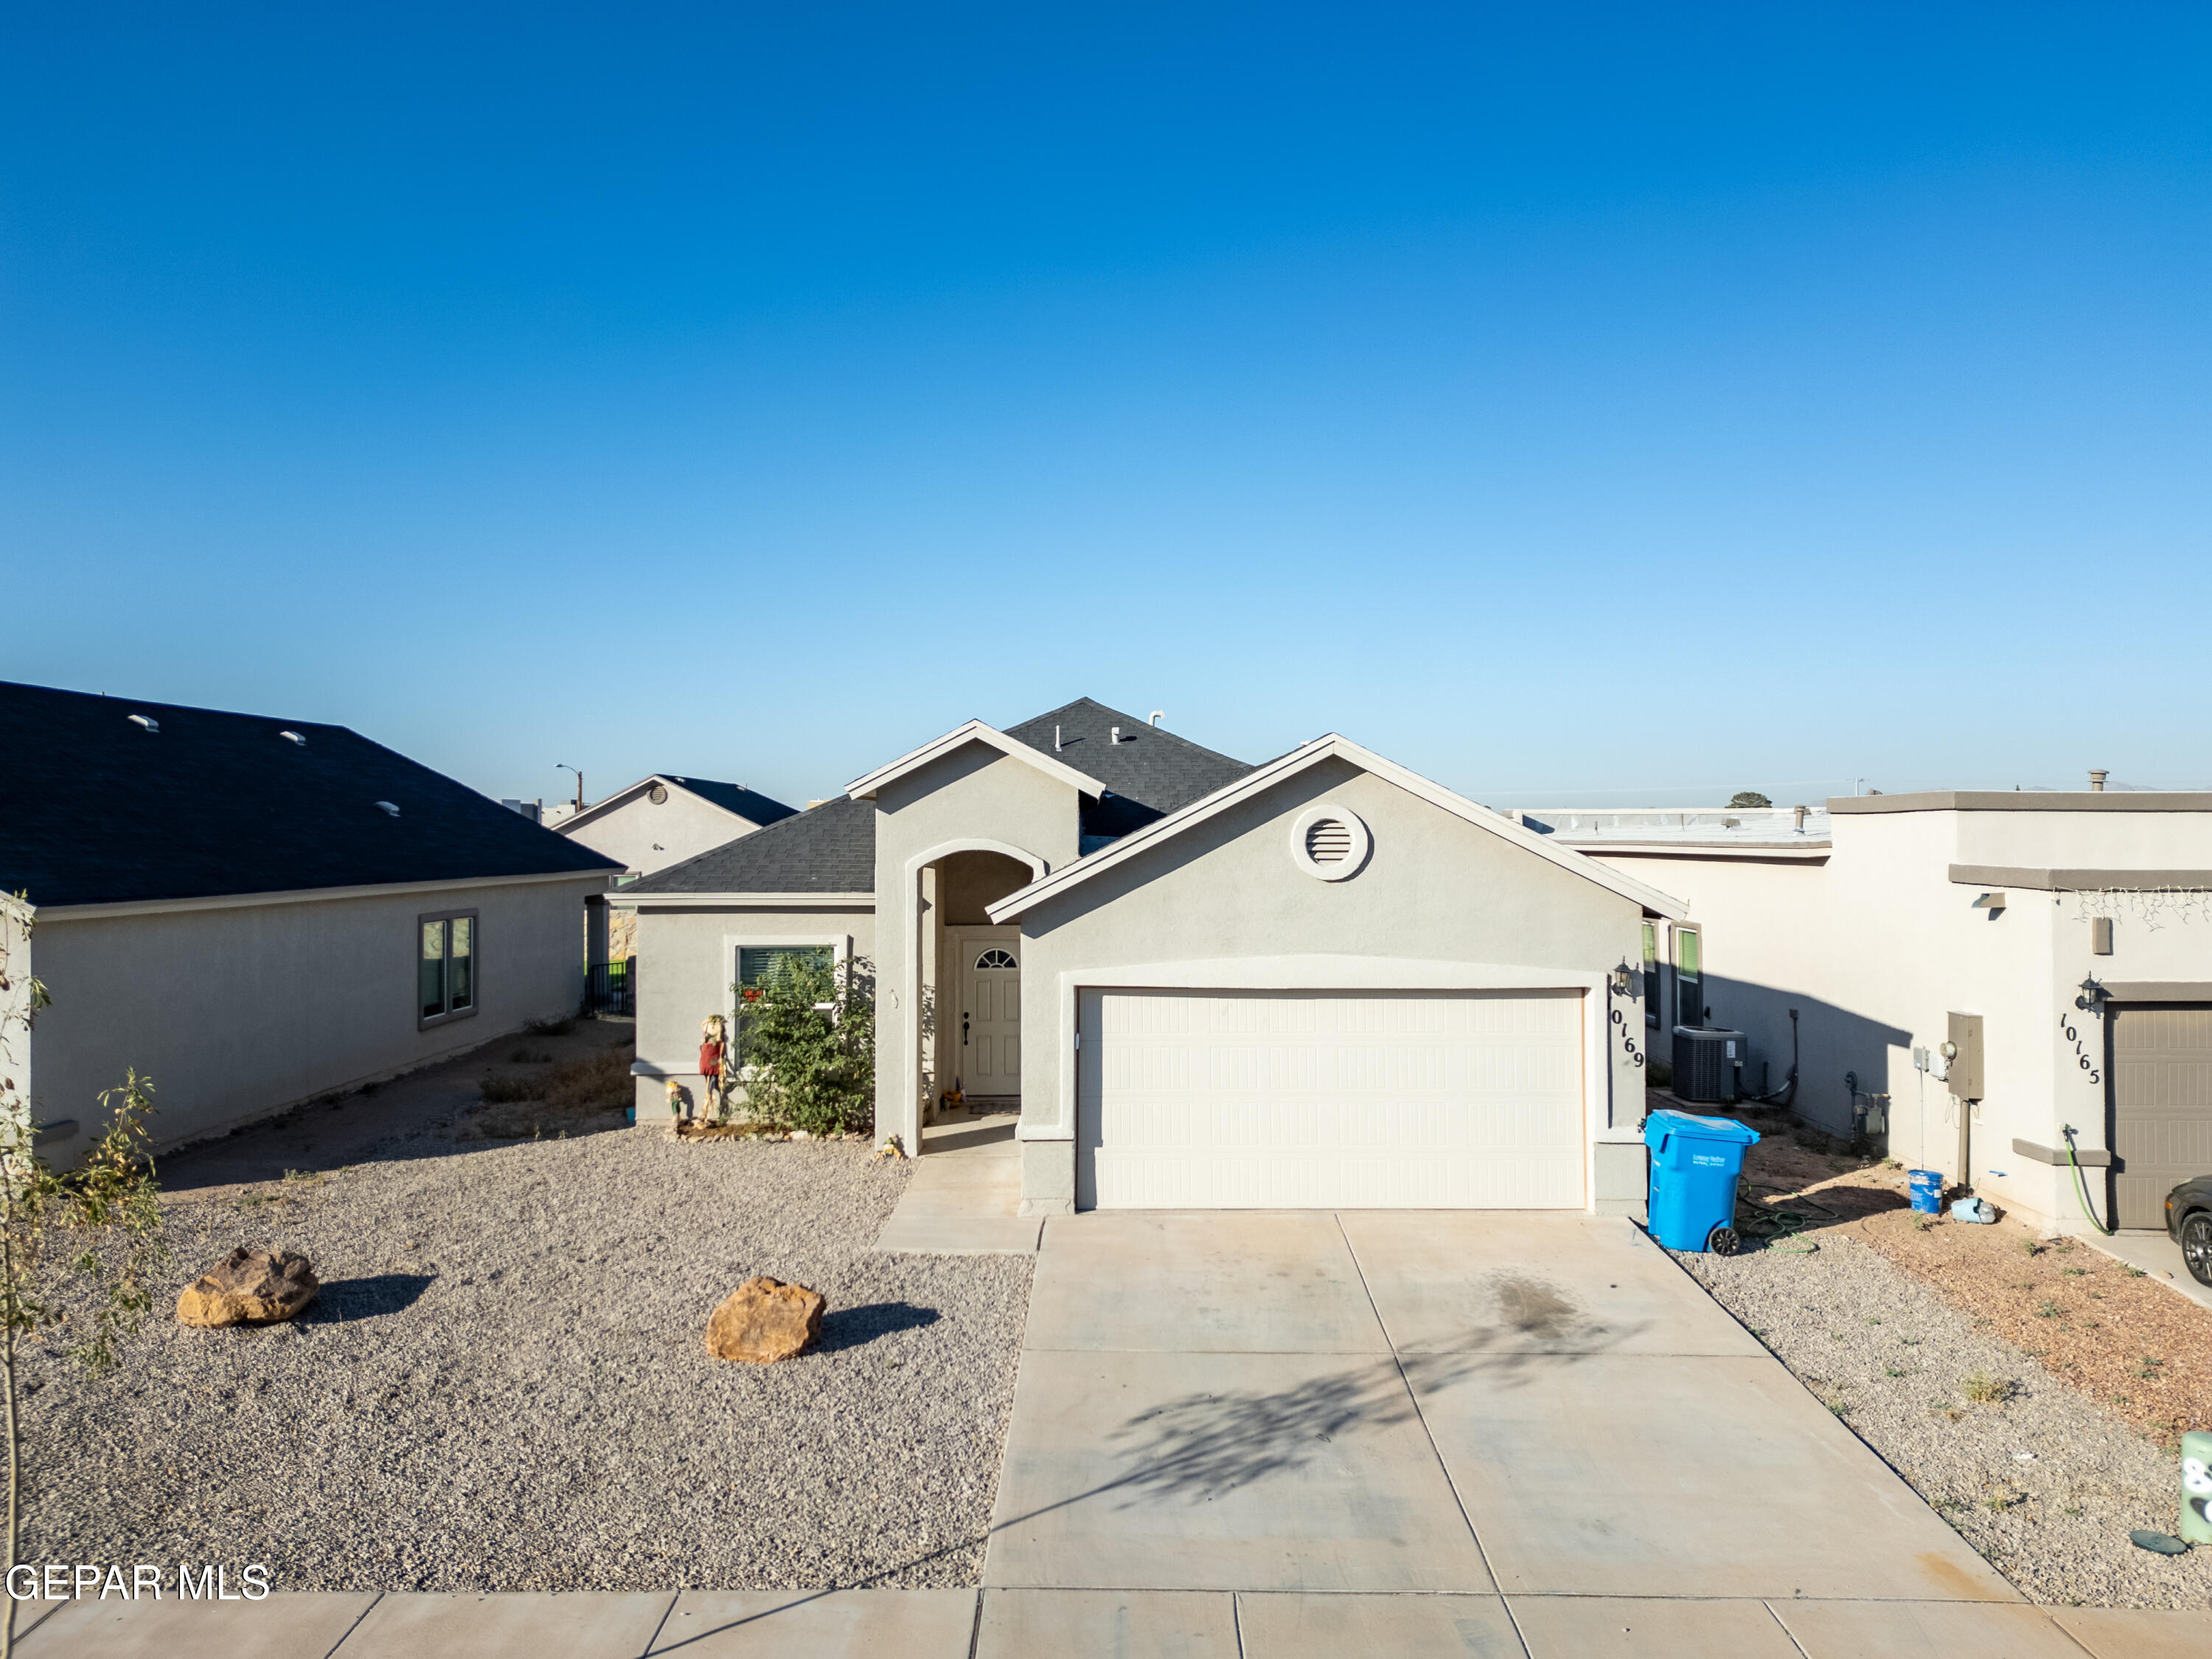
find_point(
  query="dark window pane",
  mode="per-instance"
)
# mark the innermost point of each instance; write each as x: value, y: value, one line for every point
x: 431, y: 982
x: 463, y: 971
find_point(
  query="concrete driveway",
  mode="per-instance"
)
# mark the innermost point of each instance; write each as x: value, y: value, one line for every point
x: 1427, y: 1401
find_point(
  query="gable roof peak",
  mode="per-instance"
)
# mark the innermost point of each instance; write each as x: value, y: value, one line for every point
x: 1329, y: 744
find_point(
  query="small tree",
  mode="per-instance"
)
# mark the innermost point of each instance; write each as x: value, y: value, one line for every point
x: 805, y: 1044
x: 107, y: 1211
x: 1748, y: 797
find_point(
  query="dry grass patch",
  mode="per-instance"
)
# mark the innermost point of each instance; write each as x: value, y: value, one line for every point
x: 573, y: 1097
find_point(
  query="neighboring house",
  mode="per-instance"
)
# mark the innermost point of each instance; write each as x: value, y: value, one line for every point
x: 1324, y: 982
x: 1894, y: 923
x: 665, y: 819
x: 254, y: 912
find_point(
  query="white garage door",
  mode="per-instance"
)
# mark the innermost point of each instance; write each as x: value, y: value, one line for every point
x: 1330, y: 1099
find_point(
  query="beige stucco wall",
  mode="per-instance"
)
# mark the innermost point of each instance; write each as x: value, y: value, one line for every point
x: 976, y: 799
x: 687, y: 963
x: 239, y: 1011
x: 1879, y: 946
x: 683, y: 825
x: 1435, y: 889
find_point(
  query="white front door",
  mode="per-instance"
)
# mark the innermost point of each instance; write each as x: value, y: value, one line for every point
x: 990, y: 1059
x: 1330, y: 1100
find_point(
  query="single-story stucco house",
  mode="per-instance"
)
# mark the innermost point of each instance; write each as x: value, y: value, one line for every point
x: 2061, y: 940
x: 254, y: 912
x: 1323, y: 981
x: 665, y: 819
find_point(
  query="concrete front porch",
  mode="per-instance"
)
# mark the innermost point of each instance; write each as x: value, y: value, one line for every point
x: 964, y: 1197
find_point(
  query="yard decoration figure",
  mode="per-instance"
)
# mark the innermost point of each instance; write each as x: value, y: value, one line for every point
x: 2197, y: 1487
x: 710, y: 1064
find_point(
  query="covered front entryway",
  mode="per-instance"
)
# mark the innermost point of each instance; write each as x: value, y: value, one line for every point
x: 2161, y: 1065
x: 1300, y: 1099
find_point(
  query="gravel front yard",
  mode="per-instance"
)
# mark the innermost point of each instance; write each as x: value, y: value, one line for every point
x: 504, y: 1386
x: 2039, y: 1480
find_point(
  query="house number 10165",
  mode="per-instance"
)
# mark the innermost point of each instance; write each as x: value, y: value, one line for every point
x: 2080, y: 1054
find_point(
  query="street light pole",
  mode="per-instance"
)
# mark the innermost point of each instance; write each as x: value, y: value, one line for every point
x: 563, y: 766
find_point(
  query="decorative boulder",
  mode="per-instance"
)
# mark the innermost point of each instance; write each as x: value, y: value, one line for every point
x: 249, y: 1287
x: 763, y: 1321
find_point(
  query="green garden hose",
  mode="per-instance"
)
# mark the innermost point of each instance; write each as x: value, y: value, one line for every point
x: 2082, y: 1186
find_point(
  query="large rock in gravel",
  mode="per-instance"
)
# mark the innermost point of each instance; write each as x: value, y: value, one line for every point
x: 249, y: 1287
x: 763, y: 1321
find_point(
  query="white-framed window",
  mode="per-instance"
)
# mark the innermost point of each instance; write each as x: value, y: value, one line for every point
x: 1689, y: 977
x: 754, y: 961
x: 446, y: 949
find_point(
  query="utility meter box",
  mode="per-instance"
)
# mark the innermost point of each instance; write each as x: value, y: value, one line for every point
x: 1709, y: 1064
x: 1965, y: 1079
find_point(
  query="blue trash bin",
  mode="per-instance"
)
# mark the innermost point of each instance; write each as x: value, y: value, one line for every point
x: 1695, y: 1162
x: 1927, y: 1191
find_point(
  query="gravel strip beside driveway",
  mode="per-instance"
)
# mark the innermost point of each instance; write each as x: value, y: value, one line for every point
x: 504, y: 1384
x: 1893, y: 1361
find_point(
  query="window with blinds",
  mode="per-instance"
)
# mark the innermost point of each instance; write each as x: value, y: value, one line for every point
x: 762, y: 965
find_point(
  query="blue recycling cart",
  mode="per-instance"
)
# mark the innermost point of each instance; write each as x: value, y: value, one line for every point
x: 1695, y: 1164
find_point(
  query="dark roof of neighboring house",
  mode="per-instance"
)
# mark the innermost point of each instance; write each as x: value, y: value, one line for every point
x: 101, y: 811
x: 830, y: 849
x: 1150, y: 766
x: 748, y: 804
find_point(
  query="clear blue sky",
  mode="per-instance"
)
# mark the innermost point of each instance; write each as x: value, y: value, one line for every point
x: 1573, y: 403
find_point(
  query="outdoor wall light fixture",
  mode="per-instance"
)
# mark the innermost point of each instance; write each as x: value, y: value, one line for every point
x: 2092, y: 995
x: 1620, y: 978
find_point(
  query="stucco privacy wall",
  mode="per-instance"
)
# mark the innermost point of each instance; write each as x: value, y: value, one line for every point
x: 687, y: 963
x: 1879, y: 946
x: 1436, y: 889
x: 974, y: 798
x: 238, y: 1010
x: 683, y: 825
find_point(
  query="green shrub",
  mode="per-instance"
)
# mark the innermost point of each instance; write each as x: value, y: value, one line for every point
x: 806, y: 1044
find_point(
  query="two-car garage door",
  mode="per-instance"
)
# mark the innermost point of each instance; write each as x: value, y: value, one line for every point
x: 1330, y: 1099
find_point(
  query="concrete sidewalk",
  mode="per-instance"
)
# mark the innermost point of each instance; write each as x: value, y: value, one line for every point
x: 1015, y: 1624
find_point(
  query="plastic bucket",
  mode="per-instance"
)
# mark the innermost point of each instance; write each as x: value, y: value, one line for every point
x: 1927, y: 1191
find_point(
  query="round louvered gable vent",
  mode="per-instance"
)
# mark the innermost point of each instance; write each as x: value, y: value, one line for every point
x: 1328, y: 841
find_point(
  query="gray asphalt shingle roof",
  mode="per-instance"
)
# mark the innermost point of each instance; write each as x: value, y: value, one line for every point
x: 830, y: 849
x: 1150, y: 766
x: 101, y: 810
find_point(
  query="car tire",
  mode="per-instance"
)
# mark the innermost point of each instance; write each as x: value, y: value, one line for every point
x: 2197, y: 1246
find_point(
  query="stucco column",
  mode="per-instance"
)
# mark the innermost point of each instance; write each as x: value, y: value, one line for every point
x: 909, y: 1066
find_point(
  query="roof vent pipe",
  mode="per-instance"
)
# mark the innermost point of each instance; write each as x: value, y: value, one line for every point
x: 1801, y: 819
x: 150, y: 724
x: 1056, y: 740
x: 1158, y: 714
x: 2097, y: 777
x: 1113, y: 734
